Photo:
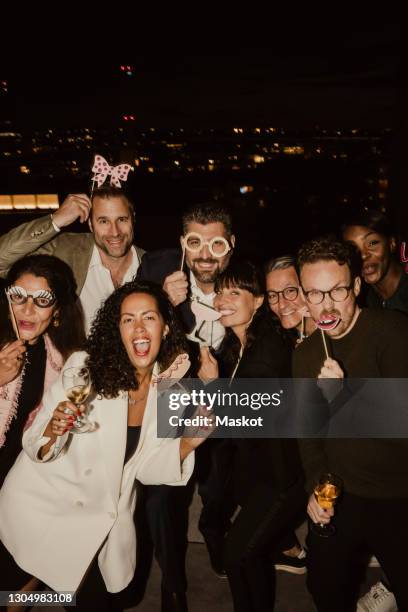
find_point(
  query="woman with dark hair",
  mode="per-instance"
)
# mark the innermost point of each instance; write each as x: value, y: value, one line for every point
x: 41, y: 292
x: 66, y: 508
x: 266, y: 472
x: 374, y: 237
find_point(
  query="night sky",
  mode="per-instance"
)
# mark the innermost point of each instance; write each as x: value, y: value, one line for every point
x: 342, y: 75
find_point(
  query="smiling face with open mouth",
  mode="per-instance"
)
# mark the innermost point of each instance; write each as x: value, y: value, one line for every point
x: 284, y: 283
x: 336, y: 318
x: 237, y: 307
x: 141, y: 328
x: 112, y: 226
x: 203, y: 264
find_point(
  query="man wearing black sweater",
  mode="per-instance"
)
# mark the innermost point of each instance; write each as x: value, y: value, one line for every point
x: 371, y: 515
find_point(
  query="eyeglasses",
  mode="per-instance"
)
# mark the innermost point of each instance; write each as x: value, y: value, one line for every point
x: 43, y: 298
x: 218, y: 246
x: 289, y: 293
x: 337, y: 294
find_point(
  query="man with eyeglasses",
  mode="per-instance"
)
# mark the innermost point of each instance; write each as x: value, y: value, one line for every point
x: 188, y: 276
x: 370, y: 516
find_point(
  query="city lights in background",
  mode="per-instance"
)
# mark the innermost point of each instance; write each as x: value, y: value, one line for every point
x: 128, y: 117
x: 4, y: 87
x: 41, y: 201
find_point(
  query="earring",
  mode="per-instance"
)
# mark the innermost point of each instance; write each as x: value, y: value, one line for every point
x: 56, y: 321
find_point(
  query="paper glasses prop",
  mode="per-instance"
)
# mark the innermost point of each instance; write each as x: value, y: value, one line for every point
x: 203, y: 314
x: 193, y: 242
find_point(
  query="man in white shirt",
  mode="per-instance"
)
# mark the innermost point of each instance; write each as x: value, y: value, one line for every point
x: 101, y: 260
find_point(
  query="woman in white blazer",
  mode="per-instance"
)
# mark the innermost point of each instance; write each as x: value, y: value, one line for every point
x: 67, y: 504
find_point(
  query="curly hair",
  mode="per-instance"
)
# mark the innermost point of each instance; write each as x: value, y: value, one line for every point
x: 69, y: 335
x: 241, y: 274
x: 108, y: 362
x: 325, y: 249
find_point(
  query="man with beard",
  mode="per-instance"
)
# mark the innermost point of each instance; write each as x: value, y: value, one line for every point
x: 188, y: 276
x: 370, y: 516
x: 206, y: 248
x: 101, y: 260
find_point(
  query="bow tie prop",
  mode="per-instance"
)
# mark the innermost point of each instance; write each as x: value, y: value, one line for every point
x: 203, y: 314
x: 102, y: 170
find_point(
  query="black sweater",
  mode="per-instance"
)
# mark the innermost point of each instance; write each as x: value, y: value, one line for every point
x: 376, y: 347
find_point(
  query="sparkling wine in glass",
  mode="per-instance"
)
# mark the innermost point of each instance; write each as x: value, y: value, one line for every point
x: 326, y: 492
x: 77, y: 385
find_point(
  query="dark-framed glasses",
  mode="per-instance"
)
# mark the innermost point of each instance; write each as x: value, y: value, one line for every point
x: 218, y: 246
x: 289, y: 293
x: 337, y: 294
x: 43, y: 298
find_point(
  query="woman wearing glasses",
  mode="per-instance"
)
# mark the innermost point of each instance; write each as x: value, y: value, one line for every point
x: 47, y: 321
x: 266, y: 472
x: 285, y: 298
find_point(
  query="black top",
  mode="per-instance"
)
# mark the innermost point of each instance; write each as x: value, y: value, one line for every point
x: 274, y: 461
x: 132, y: 440
x: 376, y: 347
x: 398, y: 301
x: 30, y: 395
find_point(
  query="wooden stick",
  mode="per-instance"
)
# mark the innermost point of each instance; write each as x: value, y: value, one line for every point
x: 182, y: 259
x: 302, y: 333
x: 325, y: 345
x: 13, y: 318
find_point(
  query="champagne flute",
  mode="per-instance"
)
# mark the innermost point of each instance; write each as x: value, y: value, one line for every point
x: 77, y: 384
x: 326, y: 492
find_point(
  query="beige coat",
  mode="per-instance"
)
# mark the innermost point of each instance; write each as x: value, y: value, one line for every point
x: 39, y: 236
x: 55, y: 515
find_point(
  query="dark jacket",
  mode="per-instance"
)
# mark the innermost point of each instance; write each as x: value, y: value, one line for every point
x: 274, y: 461
x: 156, y: 266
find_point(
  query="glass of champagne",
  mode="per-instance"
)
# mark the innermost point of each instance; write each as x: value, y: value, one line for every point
x: 326, y: 492
x: 77, y: 384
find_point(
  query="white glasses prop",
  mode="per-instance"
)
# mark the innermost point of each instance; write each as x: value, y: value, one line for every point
x: 77, y: 385
x: 43, y: 298
x: 218, y: 246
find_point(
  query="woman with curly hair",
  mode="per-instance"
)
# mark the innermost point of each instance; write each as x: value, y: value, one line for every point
x: 66, y: 509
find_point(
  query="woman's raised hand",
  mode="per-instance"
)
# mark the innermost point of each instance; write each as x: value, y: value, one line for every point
x: 63, y: 418
x: 11, y: 361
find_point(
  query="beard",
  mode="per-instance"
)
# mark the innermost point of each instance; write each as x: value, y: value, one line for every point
x: 206, y: 276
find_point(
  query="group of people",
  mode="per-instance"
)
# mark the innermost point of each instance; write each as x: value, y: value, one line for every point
x: 70, y: 502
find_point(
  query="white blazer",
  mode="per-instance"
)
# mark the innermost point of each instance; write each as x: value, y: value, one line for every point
x: 57, y: 513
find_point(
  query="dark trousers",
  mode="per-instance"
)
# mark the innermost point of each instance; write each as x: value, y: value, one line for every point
x: 265, y: 519
x: 166, y: 510
x: 336, y: 564
x: 214, y: 461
